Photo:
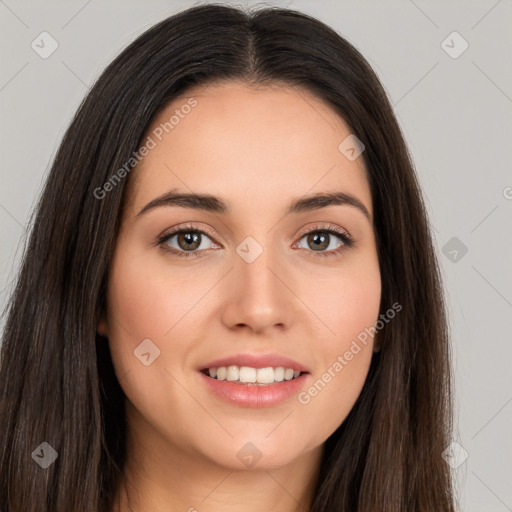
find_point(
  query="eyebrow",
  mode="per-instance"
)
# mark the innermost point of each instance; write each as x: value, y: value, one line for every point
x: 210, y: 203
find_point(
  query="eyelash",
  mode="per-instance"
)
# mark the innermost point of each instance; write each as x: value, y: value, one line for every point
x: 347, y: 240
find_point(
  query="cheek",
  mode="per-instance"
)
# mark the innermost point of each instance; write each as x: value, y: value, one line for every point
x: 146, y: 304
x: 349, y: 308
x: 353, y: 313
x: 146, y: 301
x: 141, y: 306
x: 346, y: 300
x: 333, y: 390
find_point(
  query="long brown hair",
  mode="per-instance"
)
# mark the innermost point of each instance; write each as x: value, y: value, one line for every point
x: 57, y: 383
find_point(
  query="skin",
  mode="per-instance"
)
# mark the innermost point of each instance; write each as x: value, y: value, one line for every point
x: 258, y: 148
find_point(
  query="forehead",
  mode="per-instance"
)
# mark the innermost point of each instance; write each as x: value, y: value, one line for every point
x: 248, y: 143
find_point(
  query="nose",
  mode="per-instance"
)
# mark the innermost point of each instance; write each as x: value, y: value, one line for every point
x: 258, y: 295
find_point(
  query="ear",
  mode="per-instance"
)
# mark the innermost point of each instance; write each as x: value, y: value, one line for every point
x: 103, y: 326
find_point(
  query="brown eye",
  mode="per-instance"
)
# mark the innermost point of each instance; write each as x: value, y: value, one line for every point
x: 189, y: 240
x: 186, y: 242
x: 318, y: 240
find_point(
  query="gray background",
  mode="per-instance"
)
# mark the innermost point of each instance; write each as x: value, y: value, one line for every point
x: 455, y: 114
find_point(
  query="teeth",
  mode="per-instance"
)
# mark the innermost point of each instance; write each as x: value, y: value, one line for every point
x: 246, y: 374
x: 279, y: 374
x: 232, y: 373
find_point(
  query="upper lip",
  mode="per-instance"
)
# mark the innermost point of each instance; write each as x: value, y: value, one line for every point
x: 256, y: 361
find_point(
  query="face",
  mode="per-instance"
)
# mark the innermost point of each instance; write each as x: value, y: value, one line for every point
x: 247, y: 274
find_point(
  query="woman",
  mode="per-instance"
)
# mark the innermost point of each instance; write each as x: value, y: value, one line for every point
x: 230, y: 294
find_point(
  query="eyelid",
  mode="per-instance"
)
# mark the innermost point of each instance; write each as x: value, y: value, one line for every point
x: 347, y: 241
x: 341, y: 233
x: 186, y: 227
x: 305, y: 231
x: 322, y: 226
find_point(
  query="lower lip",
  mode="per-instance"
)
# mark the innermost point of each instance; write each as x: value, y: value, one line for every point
x: 246, y: 395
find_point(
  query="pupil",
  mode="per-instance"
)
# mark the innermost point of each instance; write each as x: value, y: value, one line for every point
x: 190, y: 238
x: 314, y: 239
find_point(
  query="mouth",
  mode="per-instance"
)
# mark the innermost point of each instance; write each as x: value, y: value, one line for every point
x: 245, y: 386
x: 251, y: 376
